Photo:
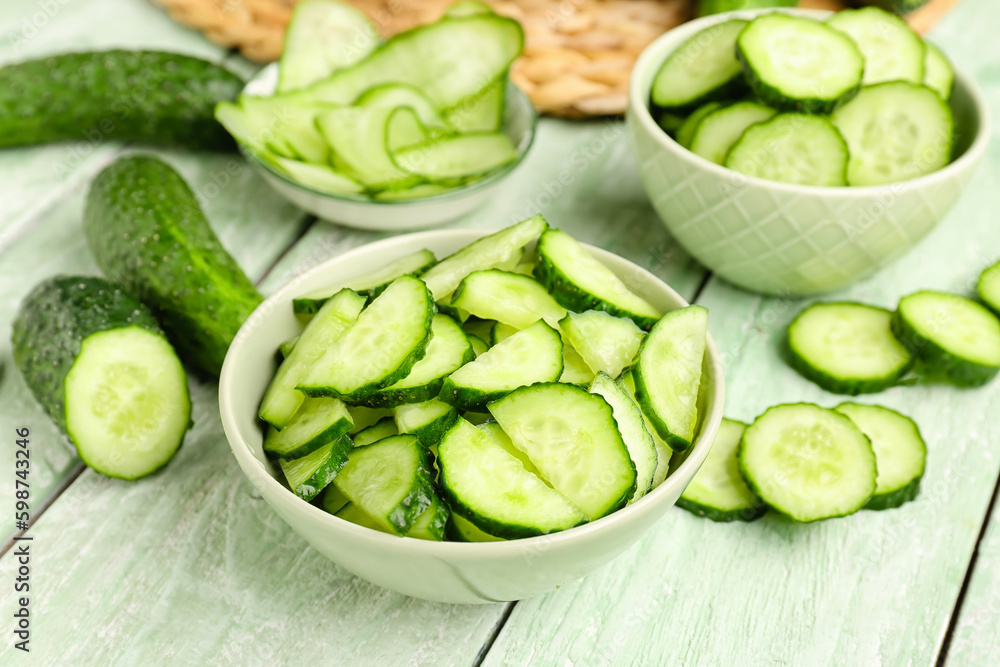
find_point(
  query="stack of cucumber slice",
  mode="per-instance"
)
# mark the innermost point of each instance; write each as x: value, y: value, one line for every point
x: 857, y: 100
x: 411, y: 117
x: 391, y: 409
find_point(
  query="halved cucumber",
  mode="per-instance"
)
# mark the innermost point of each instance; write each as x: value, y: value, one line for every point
x: 428, y: 420
x: 492, y: 490
x: 719, y: 130
x: 792, y: 148
x: 953, y: 338
x: 511, y: 298
x: 605, y: 342
x: 454, y: 159
x: 668, y: 374
x: 317, y: 422
x: 892, y: 50
x: 939, y: 75
x: 797, y: 64
x: 282, y: 400
x: 900, y: 453
x: 381, y: 347
x: 847, y: 348
x: 383, y: 428
x: 493, y: 429
x: 808, y: 462
x: 580, y: 282
x: 641, y: 448
x: 988, y: 288
x: 718, y: 491
x: 703, y: 68
x: 896, y: 131
x: 572, y: 438
x: 310, y: 474
x: 685, y: 133
x: 529, y: 356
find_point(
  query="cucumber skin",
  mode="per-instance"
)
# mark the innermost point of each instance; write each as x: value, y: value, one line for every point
x: 325, y: 474
x: 894, y: 499
x: 936, y: 361
x: 53, y: 321
x: 335, y: 431
x: 439, y: 522
x: 146, y: 229
x: 432, y: 432
x: 152, y: 97
x: 722, y: 516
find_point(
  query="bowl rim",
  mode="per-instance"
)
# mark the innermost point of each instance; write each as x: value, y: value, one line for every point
x: 523, y: 148
x: 654, y: 55
x: 255, y: 471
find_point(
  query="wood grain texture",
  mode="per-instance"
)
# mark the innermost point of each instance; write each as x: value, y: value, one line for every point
x: 976, y: 640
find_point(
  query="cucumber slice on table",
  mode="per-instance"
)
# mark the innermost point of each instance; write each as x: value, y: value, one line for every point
x: 456, y: 159
x: 383, y: 428
x: 953, y: 338
x: 605, y: 342
x: 509, y: 298
x: 282, y: 400
x: 892, y: 50
x: 808, y: 462
x: 379, y: 348
x: 316, y: 423
x: 490, y: 488
x: 322, y: 37
x: 390, y: 481
x: 900, y: 453
x: 641, y: 448
x: 702, y: 69
x: 988, y: 288
x: 98, y: 363
x: 685, y: 133
x: 939, y: 75
x: 719, y: 130
x: 792, y: 148
x: 718, y: 491
x: 529, y: 356
x: 797, y: 64
x: 312, y: 473
x: 572, y: 438
x: 896, y: 131
x: 667, y: 374
x: 428, y: 420
x: 579, y: 282
x: 369, y: 285
x: 847, y: 348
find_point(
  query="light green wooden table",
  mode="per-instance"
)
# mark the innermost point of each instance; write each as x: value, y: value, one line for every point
x: 192, y: 567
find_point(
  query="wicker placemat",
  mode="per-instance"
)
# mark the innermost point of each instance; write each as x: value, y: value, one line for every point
x: 578, y: 53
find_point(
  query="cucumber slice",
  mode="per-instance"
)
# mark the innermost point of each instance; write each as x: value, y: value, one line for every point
x: 312, y: 473
x: 529, y: 356
x: 478, y: 327
x: 282, y: 400
x: 792, y: 148
x: 390, y: 481
x: 463, y: 530
x: 491, y: 489
x: 456, y: 159
x: 808, y: 462
x: 720, y: 129
x: 317, y: 422
x: 606, y: 343
x: 847, y: 348
x: 393, y: 95
x: 794, y: 63
x: 479, y: 346
x: 575, y: 369
x: 500, y: 332
x: 718, y: 491
x: 483, y: 110
x: 383, y: 428
x: 493, y: 429
x: 354, y: 514
x: 322, y: 37
x: 580, y: 282
x: 287, y: 128
x: 690, y: 125
x: 448, y: 351
x: 667, y: 374
x: 332, y: 499
x: 364, y: 417
x: 892, y: 50
x: 370, y: 285
x: 988, y: 288
x: 641, y: 448
x: 490, y: 252
x: 359, y: 138
x: 428, y: 420
x: 702, y: 69
x: 572, y: 438
x: 663, y: 451
x: 900, y: 453
x: 285, y: 349
x: 895, y: 131
x: 416, y: 192
x: 939, y: 75
x: 953, y: 338
x: 432, y: 523
x: 509, y: 298
x: 315, y: 176
x: 380, y: 348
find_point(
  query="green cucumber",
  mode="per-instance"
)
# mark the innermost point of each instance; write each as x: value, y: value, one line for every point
x: 314, y: 176
x: 360, y: 140
x: 483, y: 110
x: 310, y: 474
x: 275, y: 125
x: 479, y: 346
x: 145, y: 228
x: 357, y: 516
x: 988, y: 288
x: 332, y: 499
x: 316, y: 423
x: 392, y: 95
x: 702, y: 69
x: 457, y: 159
x: 431, y: 525
x: 606, y: 343
x: 641, y: 448
x: 149, y: 97
x: 792, y: 148
x: 575, y: 369
x: 509, y: 298
x: 100, y: 366
x: 428, y: 420
x: 718, y: 490
x: 892, y: 50
x: 663, y: 451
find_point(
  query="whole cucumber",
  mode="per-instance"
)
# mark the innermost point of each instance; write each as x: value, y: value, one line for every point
x: 147, y: 231
x: 151, y: 97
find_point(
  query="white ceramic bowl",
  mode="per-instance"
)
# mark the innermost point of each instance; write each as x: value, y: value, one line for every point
x: 788, y: 239
x: 441, y: 571
x: 365, y: 213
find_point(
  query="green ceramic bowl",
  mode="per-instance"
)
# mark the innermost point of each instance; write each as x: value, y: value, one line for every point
x: 787, y: 239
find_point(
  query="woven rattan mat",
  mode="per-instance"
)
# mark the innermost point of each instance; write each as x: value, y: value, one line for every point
x: 577, y: 57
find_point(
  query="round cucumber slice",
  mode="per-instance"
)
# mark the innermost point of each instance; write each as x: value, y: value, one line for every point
x: 792, y: 148
x: 701, y: 69
x: 892, y: 50
x: 719, y: 492
x: 720, y: 129
x: 685, y: 133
